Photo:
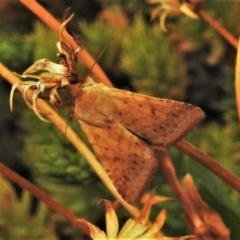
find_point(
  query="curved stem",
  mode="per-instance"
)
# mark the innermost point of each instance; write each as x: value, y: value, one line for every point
x: 39, y: 194
x: 219, y: 28
x: 237, y: 81
x: 210, y: 163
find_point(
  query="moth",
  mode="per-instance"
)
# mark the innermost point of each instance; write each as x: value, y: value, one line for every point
x: 122, y: 127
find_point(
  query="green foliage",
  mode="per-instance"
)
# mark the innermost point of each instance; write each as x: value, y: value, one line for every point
x: 16, y: 219
x: 44, y: 41
x: 140, y: 60
x: 133, y: 50
x: 15, y: 50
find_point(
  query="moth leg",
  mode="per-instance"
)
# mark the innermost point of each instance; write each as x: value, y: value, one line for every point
x: 55, y: 99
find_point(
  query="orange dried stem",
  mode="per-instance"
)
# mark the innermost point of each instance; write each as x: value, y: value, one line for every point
x: 210, y: 163
x: 237, y: 80
x: 38, y: 193
x: 167, y: 168
x: 50, y: 21
x: 219, y: 28
x: 192, y: 214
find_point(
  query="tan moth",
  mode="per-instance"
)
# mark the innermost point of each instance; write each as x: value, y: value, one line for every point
x: 122, y: 127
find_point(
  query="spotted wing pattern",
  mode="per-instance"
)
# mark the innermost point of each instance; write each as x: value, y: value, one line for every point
x: 122, y: 127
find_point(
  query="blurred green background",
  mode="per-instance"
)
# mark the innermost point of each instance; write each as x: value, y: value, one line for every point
x: 190, y: 63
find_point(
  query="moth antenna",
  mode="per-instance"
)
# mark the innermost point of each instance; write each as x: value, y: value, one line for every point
x: 65, y: 14
x: 65, y: 130
x: 99, y: 56
x: 78, y: 41
x: 70, y: 116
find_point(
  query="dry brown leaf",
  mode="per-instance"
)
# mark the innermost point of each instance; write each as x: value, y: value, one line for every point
x: 211, y: 220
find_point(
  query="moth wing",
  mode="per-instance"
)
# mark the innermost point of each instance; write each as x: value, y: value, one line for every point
x: 156, y: 120
x: 129, y: 161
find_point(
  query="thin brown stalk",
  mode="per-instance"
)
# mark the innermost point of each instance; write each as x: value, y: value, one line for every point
x: 39, y: 194
x: 219, y: 28
x: 237, y: 80
x: 210, y: 163
x: 50, y: 21
x: 167, y: 168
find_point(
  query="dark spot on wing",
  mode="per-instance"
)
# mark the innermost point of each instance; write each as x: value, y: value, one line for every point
x: 153, y: 111
x: 174, y: 115
x: 116, y: 159
x: 134, y: 161
x: 126, y: 177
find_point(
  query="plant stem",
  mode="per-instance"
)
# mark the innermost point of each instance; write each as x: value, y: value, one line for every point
x: 237, y: 80
x: 210, y: 163
x: 219, y: 28
x: 197, y: 226
x: 38, y: 193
